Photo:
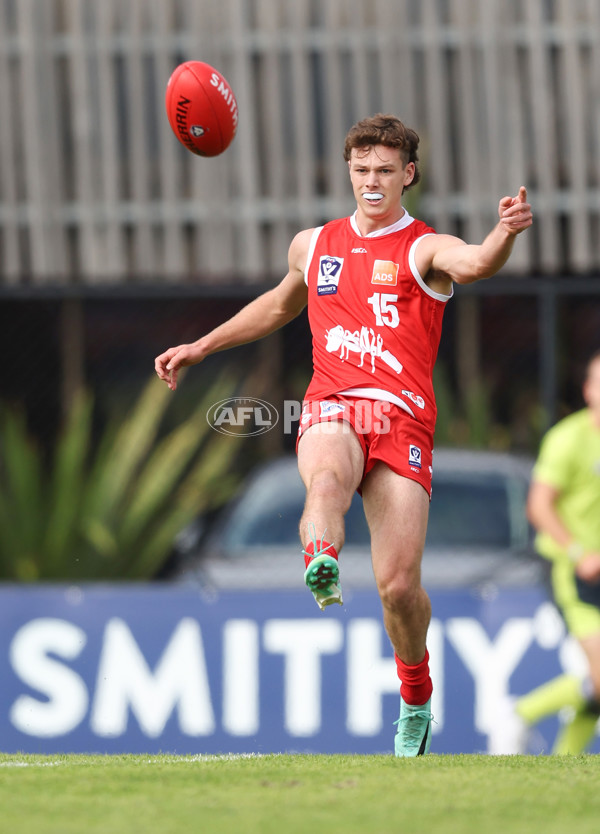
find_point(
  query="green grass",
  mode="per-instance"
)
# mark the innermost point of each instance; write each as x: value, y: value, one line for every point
x: 287, y: 794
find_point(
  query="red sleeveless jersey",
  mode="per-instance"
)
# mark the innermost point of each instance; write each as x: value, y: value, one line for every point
x: 375, y: 324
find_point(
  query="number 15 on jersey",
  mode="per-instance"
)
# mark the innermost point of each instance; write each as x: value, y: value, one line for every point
x: 384, y: 309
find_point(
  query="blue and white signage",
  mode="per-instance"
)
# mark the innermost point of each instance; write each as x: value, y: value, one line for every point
x: 159, y: 668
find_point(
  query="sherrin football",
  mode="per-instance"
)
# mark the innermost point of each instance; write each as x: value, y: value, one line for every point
x: 201, y: 108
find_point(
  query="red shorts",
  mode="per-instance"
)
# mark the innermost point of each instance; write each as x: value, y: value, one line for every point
x: 385, y: 431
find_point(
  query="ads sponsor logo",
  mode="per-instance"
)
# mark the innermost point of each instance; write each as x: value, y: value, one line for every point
x: 414, y: 456
x: 330, y: 269
x: 385, y: 273
x: 245, y: 416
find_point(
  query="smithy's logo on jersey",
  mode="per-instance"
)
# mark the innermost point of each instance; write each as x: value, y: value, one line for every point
x: 414, y: 456
x: 329, y: 407
x: 330, y: 269
x: 385, y: 273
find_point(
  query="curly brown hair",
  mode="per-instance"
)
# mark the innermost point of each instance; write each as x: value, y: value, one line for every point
x: 385, y: 129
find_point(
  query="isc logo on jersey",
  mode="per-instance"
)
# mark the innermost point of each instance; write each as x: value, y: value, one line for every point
x: 385, y: 273
x: 330, y: 268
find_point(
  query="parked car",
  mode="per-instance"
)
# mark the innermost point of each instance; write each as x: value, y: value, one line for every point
x: 478, y: 534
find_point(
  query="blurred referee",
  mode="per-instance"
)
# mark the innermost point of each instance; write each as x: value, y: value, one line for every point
x: 564, y: 508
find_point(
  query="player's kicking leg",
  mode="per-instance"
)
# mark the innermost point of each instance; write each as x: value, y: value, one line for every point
x: 330, y: 461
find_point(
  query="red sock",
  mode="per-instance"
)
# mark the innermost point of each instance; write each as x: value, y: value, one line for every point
x: 415, y: 684
x: 309, y: 551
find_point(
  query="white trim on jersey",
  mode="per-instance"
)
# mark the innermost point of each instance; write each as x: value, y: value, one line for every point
x: 311, y: 251
x: 377, y: 394
x: 403, y: 223
x: 417, y: 275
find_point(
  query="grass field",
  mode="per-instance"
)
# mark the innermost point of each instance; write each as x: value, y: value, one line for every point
x: 283, y: 794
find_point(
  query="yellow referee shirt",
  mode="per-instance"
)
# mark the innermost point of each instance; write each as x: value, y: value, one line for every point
x: 569, y: 460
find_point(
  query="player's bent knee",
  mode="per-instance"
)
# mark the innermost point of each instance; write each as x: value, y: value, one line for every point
x: 326, y: 484
x: 400, y: 590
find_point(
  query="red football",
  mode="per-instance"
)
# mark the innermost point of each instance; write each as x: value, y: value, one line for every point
x: 201, y: 108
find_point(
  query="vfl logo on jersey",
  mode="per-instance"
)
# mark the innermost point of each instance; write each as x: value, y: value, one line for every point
x: 385, y: 273
x: 330, y: 269
x: 414, y: 456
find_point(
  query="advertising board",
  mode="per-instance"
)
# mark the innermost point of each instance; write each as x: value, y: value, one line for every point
x: 148, y: 668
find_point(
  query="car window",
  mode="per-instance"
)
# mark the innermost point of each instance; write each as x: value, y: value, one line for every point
x: 468, y: 509
x: 267, y: 514
x: 473, y: 512
x: 270, y: 509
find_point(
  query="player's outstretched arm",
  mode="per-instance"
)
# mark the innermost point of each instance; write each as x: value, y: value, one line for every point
x: 542, y: 513
x: 262, y: 316
x: 465, y: 263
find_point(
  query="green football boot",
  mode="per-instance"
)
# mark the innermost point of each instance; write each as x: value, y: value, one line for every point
x: 323, y: 574
x: 413, y: 737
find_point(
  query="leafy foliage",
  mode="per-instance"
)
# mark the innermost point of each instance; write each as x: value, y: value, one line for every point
x: 108, y: 508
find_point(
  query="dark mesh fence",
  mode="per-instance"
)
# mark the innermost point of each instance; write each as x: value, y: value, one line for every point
x: 510, y: 364
x: 489, y: 374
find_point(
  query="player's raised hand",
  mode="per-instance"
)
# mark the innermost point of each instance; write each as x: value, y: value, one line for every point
x: 515, y: 212
x: 169, y: 363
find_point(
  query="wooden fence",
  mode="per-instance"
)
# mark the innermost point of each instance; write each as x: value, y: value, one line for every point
x: 95, y: 189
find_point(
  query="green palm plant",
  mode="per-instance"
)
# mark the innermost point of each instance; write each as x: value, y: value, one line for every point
x: 109, y: 509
